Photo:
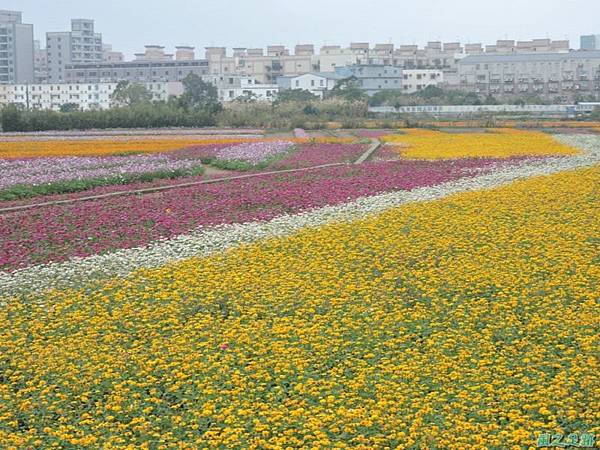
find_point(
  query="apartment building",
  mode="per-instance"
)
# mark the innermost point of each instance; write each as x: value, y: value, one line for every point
x: 234, y: 87
x: 153, y: 65
x: 373, y: 78
x: 590, y: 42
x: 549, y: 75
x: 317, y: 83
x: 264, y: 67
x: 93, y: 96
x: 85, y: 96
x: 16, y: 49
x: 81, y: 45
x: 40, y: 63
x: 415, y: 80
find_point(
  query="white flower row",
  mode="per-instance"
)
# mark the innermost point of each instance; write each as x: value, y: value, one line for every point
x: 79, y: 272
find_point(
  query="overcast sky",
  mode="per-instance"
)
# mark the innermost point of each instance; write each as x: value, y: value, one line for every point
x: 130, y: 24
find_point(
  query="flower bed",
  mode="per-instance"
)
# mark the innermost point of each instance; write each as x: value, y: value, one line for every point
x: 56, y: 233
x: 463, y: 322
x: 74, y: 147
x: 308, y: 155
x: 499, y: 143
x: 253, y: 153
x: 38, y: 171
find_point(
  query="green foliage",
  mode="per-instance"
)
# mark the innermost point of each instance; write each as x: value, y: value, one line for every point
x: 295, y: 95
x: 289, y: 115
x: 242, y: 166
x: 69, y: 186
x: 433, y: 95
x: 12, y: 117
x: 199, y: 94
x: 348, y: 89
x: 69, y: 107
x: 129, y: 94
x: 148, y: 115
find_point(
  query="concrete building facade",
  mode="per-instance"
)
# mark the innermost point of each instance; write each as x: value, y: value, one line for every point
x: 264, y: 67
x: 415, y: 80
x: 137, y: 71
x: 81, y: 45
x: 548, y: 75
x: 16, y: 49
x: 40, y: 63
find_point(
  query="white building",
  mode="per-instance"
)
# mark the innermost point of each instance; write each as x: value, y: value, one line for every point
x: 85, y: 96
x: 415, y: 80
x: 232, y: 87
x: 317, y: 83
x: 88, y: 96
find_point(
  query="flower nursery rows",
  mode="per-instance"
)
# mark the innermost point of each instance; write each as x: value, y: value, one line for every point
x: 468, y: 322
x: 55, y: 233
x: 31, y: 177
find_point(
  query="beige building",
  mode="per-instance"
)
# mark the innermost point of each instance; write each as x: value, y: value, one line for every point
x: 264, y: 67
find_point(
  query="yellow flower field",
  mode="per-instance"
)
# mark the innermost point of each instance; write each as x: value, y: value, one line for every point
x: 53, y: 148
x: 465, y: 323
x: 497, y: 143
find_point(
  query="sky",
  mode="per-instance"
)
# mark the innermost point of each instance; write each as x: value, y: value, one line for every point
x: 130, y: 24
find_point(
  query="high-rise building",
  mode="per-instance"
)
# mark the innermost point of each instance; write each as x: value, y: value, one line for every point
x: 16, y: 49
x: 81, y: 45
x: 40, y: 63
x: 590, y: 42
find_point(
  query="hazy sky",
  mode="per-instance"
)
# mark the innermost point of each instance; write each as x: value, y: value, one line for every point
x: 129, y: 24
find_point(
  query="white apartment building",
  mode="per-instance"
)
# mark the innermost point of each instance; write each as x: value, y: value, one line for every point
x: 81, y: 45
x: 415, y: 80
x: 90, y: 96
x: 316, y: 83
x: 86, y: 96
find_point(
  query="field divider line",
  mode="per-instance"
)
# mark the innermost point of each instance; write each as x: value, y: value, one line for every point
x: 375, y: 144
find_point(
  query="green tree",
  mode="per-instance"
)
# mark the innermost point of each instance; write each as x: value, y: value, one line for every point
x: 69, y: 107
x: 130, y: 94
x: 295, y: 95
x: 12, y: 118
x: 348, y: 89
x: 431, y: 92
x: 199, y: 94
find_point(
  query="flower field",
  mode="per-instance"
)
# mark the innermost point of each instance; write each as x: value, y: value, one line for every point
x: 418, y: 303
x: 78, y: 147
x: 498, y: 143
